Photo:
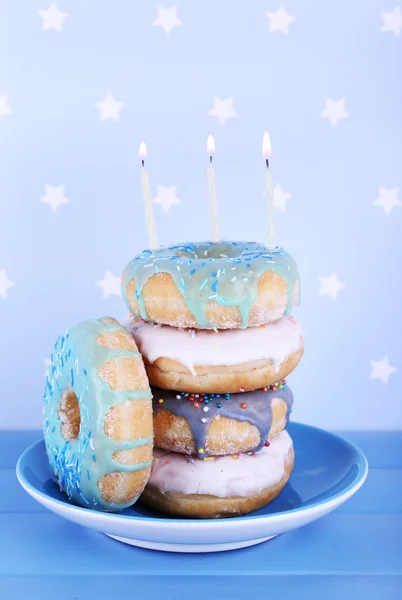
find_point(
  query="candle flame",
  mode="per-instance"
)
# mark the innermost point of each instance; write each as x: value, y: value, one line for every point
x: 266, y: 145
x: 210, y: 145
x: 142, y: 152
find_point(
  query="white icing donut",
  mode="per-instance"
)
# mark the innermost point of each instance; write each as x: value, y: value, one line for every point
x: 274, y: 342
x: 223, y: 476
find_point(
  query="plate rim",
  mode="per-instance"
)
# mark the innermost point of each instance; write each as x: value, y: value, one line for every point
x: 241, y: 521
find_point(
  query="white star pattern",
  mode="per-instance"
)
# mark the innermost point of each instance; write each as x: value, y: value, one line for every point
x: 223, y: 110
x: 381, y: 369
x: 280, y: 198
x: 109, y: 108
x: 392, y: 21
x: 5, y: 283
x: 388, y: 199
x: 110, y: 285
x: 280, y: 20
x: 330, y: 286
x: 167, y: 19
x: 47, y: 362
x: 334, y: 110
x: 4, y: 107
x: 166, y: 197
x: 52, y: 18
x: 54, y: 196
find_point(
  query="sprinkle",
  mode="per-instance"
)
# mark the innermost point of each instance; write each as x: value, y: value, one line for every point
x: 265, y: 389
x: 189, y: 458
x: 213, y: 274
x: 93, y: 457
x: 204, y: 420
x: 235, y: 456
x: 191, y: 398
x: 160, y: 401
x: 218, y: 395
x: 196, y: 405
x: 204, y: 283
x: 219, y: 405
x: 233, y: 279
x: 280, y: 386
x: 214, y: 286
x: 205, y: 409
x: 284, y: 381
x: 196, y: 395
x: 209, y: 458
x: 88, y: 475
x: 244, y: 405
x: 227, y: 396
x: 241, y: 390
x: 178, y: 396
x: 178, y: 268
x: 267, y: 444
x: 200, y: 450
x: 233, y: 268
x: 192, y: 271
x: 273, y: 388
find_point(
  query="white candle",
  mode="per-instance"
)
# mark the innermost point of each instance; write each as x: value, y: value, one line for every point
x: 147, y: 197
x: 212, y: 191
x: 266, y: 152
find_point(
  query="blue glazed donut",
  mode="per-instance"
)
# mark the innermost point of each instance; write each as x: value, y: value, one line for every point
x: 98, y: 416
x: 212, y: 285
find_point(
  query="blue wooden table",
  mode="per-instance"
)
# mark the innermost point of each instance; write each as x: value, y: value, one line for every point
x: 355, y: 552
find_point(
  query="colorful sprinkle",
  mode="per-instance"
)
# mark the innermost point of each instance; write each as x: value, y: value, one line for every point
x: 160, y: 401
x: 244, y: 405
x: 200, y: 450
x: 204, y: 420
x: 219, y: 405
x: 265, y: 389
x: 205, y: 409
x: 267, y: 444
x: 178, y: 396
x: 196, y: 405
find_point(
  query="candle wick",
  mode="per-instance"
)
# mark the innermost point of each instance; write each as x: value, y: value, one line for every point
x: 142, y: 163
x: 267, y: 163
x: 210, y: 159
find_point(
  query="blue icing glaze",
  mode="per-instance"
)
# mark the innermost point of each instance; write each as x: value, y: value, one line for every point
x: 79, y: 463
x: 258, y: 411
x: 223, y: 272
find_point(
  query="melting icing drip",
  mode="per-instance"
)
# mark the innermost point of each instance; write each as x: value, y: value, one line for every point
x: 258, y: 411
x: 223, y: 272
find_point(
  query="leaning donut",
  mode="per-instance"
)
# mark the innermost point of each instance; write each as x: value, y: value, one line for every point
x: 98, y: 416
x: 212, y: 285
x: 224, y: 486
x: 218, y: 362
x: 219, y: 424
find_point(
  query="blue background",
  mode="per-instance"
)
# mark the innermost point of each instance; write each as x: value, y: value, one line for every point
x: 335, y: 49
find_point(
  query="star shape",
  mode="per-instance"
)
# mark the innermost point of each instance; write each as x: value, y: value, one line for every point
x: 280, y: 197
x: 330, y: 286
x: 381, y: 369
x: 109, y: 108
x: 167, y: 19
x: 52, y: 18
x: 4, y: 108
x: 110, y: 285
x: 5, y: 283
x: 334, y: 110
x: 388, y: 199
x: 280, y: 20
x: 392, y: 21
x: 166, y: 197
x: 47, y: 362
x: 222, y: 109
x: 54, y: 196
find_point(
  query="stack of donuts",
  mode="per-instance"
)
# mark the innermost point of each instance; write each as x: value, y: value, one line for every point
x: 213, y: 324
x: 186, y: 406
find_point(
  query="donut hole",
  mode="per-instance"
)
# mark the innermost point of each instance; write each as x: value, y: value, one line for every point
x: 69, y: 414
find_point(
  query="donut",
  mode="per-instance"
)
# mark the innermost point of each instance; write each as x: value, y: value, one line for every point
x: 211, y: 285
x: 224, y: 486
x: 217, y: 362
x: 98, y: 416
x: 220, y: 424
